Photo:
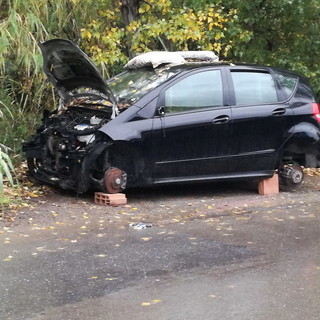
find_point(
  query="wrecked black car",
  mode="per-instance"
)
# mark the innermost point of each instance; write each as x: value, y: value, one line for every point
x: 171, y: 123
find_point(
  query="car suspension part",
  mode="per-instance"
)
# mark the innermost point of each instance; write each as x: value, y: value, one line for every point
x: 114, y: 180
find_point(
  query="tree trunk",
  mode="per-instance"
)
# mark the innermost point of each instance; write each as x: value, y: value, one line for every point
x: 129, y: 11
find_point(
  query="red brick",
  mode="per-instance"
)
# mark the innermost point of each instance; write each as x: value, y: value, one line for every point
x: 269, y: 186
x: 116, y: 199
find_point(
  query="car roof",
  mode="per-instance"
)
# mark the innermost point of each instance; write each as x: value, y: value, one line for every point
x: 235, y: 65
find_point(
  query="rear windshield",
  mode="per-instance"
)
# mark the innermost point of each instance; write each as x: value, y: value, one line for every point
x: 287, y: 82
x: 129, y: 86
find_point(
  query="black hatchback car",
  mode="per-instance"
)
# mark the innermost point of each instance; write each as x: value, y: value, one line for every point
x: 171, y: 124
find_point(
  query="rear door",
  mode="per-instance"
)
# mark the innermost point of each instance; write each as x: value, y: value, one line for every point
x: 261, y: 120
x: 191, y: 138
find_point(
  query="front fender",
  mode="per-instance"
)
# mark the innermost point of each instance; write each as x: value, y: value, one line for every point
x: 95, y: 151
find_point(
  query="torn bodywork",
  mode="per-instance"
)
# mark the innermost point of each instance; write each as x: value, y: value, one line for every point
x: 65, y: 149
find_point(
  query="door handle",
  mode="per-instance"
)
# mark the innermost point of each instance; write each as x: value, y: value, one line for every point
x: 220, y: 119
x: 278, y: 112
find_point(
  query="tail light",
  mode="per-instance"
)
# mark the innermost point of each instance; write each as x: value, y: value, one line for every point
x: 316, y: 111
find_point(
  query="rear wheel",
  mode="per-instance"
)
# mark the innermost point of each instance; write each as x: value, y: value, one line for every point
x: 291, y: 176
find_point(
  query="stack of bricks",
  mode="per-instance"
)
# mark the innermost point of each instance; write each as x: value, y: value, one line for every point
x: 108, y: 199
x: 269, y: 186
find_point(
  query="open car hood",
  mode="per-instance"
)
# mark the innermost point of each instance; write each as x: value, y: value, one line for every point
x: 72, y: 72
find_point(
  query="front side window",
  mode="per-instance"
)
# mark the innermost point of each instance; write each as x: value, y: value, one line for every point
x: 129, y: 86
x: 254, y: 88
x: 200, y: 90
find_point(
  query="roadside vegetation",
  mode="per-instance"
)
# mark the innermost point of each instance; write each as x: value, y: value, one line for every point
x: 279, y: 33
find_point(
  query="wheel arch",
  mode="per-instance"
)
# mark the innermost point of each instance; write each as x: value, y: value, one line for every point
x: 302, y: 146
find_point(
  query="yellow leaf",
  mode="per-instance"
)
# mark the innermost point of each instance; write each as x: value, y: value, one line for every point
x: 156, y: 301
x: 144, y: 304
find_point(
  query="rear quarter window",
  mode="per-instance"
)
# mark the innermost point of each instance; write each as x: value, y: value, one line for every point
x: 287, y: 82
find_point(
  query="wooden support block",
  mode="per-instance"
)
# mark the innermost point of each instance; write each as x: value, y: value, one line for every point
x: 108, y: 199
x: 269, y: 186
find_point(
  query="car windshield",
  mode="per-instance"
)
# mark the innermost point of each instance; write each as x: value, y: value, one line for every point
x: 129, y: 86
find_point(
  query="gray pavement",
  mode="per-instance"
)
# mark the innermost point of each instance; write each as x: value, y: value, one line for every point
x: 211, y: 253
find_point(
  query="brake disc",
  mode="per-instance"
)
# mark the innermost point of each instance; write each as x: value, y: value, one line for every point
x: 114, y: 180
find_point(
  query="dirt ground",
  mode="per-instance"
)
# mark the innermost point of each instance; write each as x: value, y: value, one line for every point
x: 155, y: 205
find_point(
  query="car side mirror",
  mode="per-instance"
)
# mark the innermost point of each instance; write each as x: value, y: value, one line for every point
x: 161, y: 111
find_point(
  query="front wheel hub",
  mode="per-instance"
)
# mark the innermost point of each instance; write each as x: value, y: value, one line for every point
x: 115, y: 180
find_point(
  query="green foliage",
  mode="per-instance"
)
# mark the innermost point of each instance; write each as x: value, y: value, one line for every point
x: 6, y: 171
x: 25, y: 90
x: 281, y: 33
x: 161, y: 26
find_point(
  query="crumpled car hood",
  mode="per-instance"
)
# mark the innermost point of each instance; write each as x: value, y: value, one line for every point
x: 68, y: 68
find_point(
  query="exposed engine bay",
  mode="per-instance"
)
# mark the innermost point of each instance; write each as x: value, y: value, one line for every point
x: 55, y: 153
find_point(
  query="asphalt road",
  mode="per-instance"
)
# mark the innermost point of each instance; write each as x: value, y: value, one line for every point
x: 212, y: 252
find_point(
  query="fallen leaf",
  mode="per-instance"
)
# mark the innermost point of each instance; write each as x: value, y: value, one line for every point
x: 156, y: 301
x: 100, y: 235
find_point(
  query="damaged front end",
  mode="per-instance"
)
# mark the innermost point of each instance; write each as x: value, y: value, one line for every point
x: 68, y: 149
x: 65, y: 150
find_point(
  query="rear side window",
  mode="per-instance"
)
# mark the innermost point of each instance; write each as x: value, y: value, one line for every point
x: 200, y: 90
x: 254, y: 87
x: 287, y: 82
